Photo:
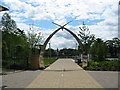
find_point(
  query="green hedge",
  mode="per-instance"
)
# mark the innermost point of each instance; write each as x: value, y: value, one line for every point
x: 22, y: 64
x: 14, y: 64
x: 113, y: 65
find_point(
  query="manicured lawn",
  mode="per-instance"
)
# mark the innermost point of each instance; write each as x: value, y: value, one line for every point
x: 47, y: 62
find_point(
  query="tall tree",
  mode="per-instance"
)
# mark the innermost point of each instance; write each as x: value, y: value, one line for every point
x: 85, y: 36
x: 12, y: 37
x: 8, y: 24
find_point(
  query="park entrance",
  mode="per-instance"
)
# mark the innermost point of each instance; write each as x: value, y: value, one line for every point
x: 40, y: 61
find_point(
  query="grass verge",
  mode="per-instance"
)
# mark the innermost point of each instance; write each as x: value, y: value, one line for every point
x: 47, y: 62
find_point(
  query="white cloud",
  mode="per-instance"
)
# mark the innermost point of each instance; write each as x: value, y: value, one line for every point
x: 61, y: 21
x: 62, y: 42
x: 23, y: 26
x: 18, y: 20
x: 27, y: 28
x: 58, y: 10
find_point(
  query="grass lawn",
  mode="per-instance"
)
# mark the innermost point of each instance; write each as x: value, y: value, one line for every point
x: 47, y: 62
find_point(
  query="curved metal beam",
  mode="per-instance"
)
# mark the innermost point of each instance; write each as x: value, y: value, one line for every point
x: 47, y: 40
x: 41, y: 62
x: 74, y: 35
x: 77, y: 39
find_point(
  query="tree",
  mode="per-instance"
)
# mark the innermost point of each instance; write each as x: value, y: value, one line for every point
x: 98, y: 50
x: 68, y: 52
x: 14, y: 42
x: 8, y: 27
x: 85, y: 37
x: 50, y: 53
x: 34, y: 40
x: 84, y: 33
x: 113, y: 47
x: 8, y: 24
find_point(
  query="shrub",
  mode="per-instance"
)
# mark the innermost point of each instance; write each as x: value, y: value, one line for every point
x: 113, y: 65
x: 14, y: 64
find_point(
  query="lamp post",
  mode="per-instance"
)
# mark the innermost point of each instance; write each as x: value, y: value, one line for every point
x: 57, y: 52
x: 119, y: 25
x: 50, y: 50
x: 1, y: 9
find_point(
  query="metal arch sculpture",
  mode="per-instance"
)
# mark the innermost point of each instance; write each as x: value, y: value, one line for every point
x: 41, y: 63
x: 74, y: 35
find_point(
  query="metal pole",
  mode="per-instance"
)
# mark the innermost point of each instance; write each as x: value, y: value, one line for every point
x: 57, y: 52
x: 50, y: 50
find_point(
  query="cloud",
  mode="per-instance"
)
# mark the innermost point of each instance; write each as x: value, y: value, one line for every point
x: 61, y: 42
x: 18, y: 20
x: 61, y: 21
x: 60, y: 8
x: 62, y: 11
x: 27, y: 27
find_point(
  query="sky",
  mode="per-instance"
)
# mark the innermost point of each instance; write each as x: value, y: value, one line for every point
x: 101, y: 17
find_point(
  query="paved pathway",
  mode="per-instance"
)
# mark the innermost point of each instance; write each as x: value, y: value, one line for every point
x: 19, y: 79
x: 108, y: 79
x: 64, y: 73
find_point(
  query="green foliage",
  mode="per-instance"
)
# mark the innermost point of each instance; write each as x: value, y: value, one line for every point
x: 8, y: 24
x: 86, y: 38
x: 50, y: 53
x: 14, y: 64
x: 80, y: 64
x: 47, y: 62
x: 113, y: 65
x: 16, y: 45
x: 68, y: 52
x: 61, y: 53
x: 34, y: 40
x: 98, y: 50
x: 113, y: 47
x: 13, y: 45
x: 84, y: 33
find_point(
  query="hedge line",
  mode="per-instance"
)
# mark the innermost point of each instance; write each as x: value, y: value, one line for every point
x: 14, y: 64
x: 113, y: 65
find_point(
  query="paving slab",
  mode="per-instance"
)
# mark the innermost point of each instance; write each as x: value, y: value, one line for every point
x: 64, y: 73
x: 108, y: 79
x: 19, y: 79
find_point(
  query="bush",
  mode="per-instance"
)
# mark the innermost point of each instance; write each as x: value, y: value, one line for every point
x: 14, y: 64
x: 113, y: 65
